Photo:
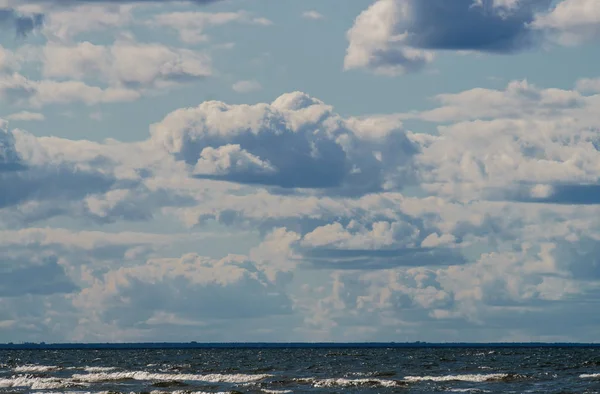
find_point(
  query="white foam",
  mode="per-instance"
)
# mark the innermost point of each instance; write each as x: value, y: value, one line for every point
x: 140, y: 375
x: 36, y: 383
x: 463, y: 378
x: 469, y: 390
x: 36, y: 368
x: 276, y: 391
x: 99, y: 369
x: 590, y: 376
x: 186, y: 392
x: 151, y: 392
x: 342, y: 382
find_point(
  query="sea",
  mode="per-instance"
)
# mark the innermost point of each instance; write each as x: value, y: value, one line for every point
x: 302, y: 370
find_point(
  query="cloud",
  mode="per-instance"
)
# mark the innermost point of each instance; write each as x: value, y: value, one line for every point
x: 18, y: 89
x: 21, y: 23
x: 375, y: 44
x: 423, y: 246
x: 65, y: 24
x: 314, y: 15
x: 9, y: 156
x: 191, y: 288
x: 398, y: 36
x: 571, y: 22
x: 246, y: 86
x: 191, y: 26
x: 69, y: 18
x: 514, y: 144
x: 126, y: 64
x: 589, y: 85
x: 26, y: 116
x: 39, y: 278
x: 294, y: 142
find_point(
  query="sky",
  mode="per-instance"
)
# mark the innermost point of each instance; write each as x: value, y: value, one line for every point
x: 316, y: 170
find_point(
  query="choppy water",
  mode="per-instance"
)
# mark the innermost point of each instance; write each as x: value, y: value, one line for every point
x: 424, y: 370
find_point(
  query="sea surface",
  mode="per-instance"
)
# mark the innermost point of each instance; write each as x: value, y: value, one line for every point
x: 297, y: 370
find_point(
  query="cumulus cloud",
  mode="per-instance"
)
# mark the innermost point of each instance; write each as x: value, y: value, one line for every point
x: 188, y: 291
x: 515, y: 143
x: 341, y: 247
x: 296, y: 141
x: 571, y: 22
x: 398, y: 36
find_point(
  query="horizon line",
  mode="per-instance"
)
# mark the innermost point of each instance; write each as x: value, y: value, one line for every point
x: 192, y: 344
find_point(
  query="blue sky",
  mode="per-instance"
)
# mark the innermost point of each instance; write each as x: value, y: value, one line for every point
x: 242, y: 170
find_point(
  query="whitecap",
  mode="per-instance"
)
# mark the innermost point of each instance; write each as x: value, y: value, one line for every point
x: 590, y: 376
x: 29, y: 368
x: 36, y: 383
x: 99, y: 369
x: 463, y: 378
x: 343, y: 382
x: 140, y: 375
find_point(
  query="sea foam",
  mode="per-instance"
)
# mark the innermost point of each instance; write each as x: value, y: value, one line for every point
x: 30, y: 368
x: 140, y: 375
x: 343, y: 382
x: 462, y: 378
x: 37, y: 383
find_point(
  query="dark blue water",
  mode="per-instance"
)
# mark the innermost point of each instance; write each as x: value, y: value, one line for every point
x: 394, y: 370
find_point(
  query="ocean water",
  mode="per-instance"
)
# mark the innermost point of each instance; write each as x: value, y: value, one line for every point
x: 297, y: 370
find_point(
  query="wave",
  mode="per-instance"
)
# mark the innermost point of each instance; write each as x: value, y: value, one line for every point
x: 276, y: 391
x: 151, y: 392
x: 37, y: 383
x: 187, y: 392
x: 30, y: 368
x: 99, y: 369
x: 343, y: 382
x: 140, y: 375
x: 590, y: 376
x: 477, y: 378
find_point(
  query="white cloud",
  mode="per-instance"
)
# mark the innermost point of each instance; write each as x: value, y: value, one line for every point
x: 330, y: 260
x: 246, y: 86
x: 571, y: 21
x: 299, y: 139
x: 375, y: 44
x: 126, y: 63
x: 65, y: 24
x: 18, y: 89
x: 314, y: 15
x: 398, y: 36
x: 191, y: 26
x: 26, y: 116
x: 589, y: 85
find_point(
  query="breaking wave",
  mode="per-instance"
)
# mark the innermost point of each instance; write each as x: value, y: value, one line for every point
x: 30, y: 368
x: 343, y: 382
x: 36, y: 383
x: 140, y: 375
x: 99, y: 369
x: 477, y: 378
x: 590, y: 376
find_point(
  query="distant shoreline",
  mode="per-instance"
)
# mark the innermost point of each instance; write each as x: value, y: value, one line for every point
x: 281, y: 345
